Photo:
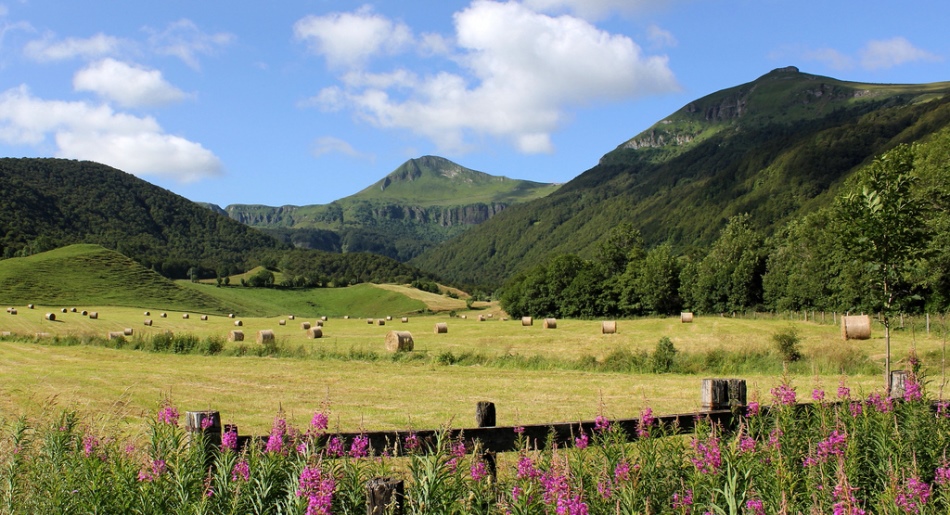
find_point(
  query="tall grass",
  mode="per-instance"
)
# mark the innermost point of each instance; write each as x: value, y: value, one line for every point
x: 840, y: 455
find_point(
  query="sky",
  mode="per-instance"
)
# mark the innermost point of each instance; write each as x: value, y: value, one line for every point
x: 301, y: 102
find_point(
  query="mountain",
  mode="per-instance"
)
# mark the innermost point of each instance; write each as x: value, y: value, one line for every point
x: 776, y: 148
x: 421, y: 204
x: 49, y: 203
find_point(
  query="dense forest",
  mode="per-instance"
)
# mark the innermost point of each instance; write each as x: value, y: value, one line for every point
x: 51, y: 203
x: 882, y: 244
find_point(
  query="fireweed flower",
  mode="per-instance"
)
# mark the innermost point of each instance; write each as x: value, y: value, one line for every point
x: 912, y: 495
x: 708, y: 458
x: 457, y: 450
x: 275, y: 442
x: 746, y: 444
x: 943, y: 409
x: 359, y: 447
x: 335, y: 447
x: 856, y: 408
x: 775, y: 438
x: 818, y: 395
x: 912, y: 389
x: 526, y: 469
x: 752, y: 409
x: 411, y: 442
x: 318, y: 489
x: 479, y: 471
x: 206, y: 423
x: 319, y: 422
x: 622, y: 471
x: 149, y: 474
x: 684, y: 501
x: 229, y: 439
x: 880, y: 404
x: 845, y: 502
x: 783, y: 395
x: 834, y: 445
x: 581, y: 441
x: 241, y: 472
x: 601, y: 424
x: 942, y: 474
x: 646, y: 420
x: 89, y: 445
x: 844, y: 393
x: 755, y: 506
x: 168, y: 414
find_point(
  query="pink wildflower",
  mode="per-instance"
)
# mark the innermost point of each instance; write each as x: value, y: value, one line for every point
x: 241, y: 472
x: 752, y: 409
x: 684, y: 501
x: 275, y: 442
x: 319, y: 422
x: 318, y: 488
x: 168, y: 414
x: 581, y: 441
x: 229, y: 439
x: 479, y: 471
x: 784, y: 395
x: 708, y: 458
x: 818, y: 395
x: 149, y: 474
x: 206, y: 422
x: 601, y: 424
x: 89, y: 445
x: 755, y: 506
x: 646, y: 420
x: 912, y: 495
x: 359, y: 447
x: 526, y: 468
x: 412, y: 442
x: 746, y: 443
x: 912, y: 390
x: 335, y: 447
x: 844, y: 393
x: 942, y: 474
x: 622, y: 471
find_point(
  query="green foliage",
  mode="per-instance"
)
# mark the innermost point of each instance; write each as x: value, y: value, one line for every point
x: 786, y: 343
x: 664, y: 356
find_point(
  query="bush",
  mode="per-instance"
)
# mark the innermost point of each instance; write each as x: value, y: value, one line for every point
x: 663, y: 356
x: 786, y: 342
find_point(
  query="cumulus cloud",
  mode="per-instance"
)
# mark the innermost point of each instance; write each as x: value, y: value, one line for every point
x: 522, y: 71
x: 126, y: 84
x: 81, y: 130
x: 350, y: 39
x: 592, y: 9
x: 660, y: 37
x: 892, y: 52
x: 184, y: 40
x: 48, y: 49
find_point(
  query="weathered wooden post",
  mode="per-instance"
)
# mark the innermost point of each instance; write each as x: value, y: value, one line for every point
x: 206, y: 422
x: 384, y: 496
x: 723, y: 393
x: 485, y: 417
x: 898, y: 380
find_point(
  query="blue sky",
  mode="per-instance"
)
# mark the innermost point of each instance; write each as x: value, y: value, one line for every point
x: 304, y: 102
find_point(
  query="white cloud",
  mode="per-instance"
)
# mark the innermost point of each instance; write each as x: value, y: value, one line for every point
x: 349, y: 40
x: 593, y: 9
x: 184, y: 40
x: 126, y: 84
x: 892, y: 52
x: 46, y: 49
x: 660, y: 37
x: 831, y: 58
x: 80, y: 130
x: 523, y: 71
x: 331, y: 145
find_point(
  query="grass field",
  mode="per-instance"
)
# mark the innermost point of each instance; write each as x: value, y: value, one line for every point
x: 383, y: 394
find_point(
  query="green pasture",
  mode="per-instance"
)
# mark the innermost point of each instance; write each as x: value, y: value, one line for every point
x: 421, y: 393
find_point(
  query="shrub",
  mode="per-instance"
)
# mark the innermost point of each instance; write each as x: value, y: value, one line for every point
x: 663, y: 356
x: 786, y: 342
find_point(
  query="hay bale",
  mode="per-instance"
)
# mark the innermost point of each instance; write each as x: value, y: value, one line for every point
x: 608, y: 327
x: 282, y: 322
x: 316, y: 332
x: 265, y: 336
x: 184, y: 316
x: 236, y: 336
x: 30, y: 306
x: 230, y: 315
x: 686, y: 317
x: 389, y: 318
x: 381, y: 322
x: 6, y: 333
x: 405, y: 320
x: 370, y: 321
x: 44, y: 335
x: 127, y: 331
x: 291, y: 317
x: 147, y: 314
x: 114, y: 335
x: 204, y: 317
x: 12, y: 311
x: 481, y: 318
x: 148, y: 322
x: 491, y: 315
x: 399, y: 341
x: 441, y: 328
x: 50, y: 316
x: 84, y: 313
x: 346, y: 317
x: 72, y: 310
x: 550, y: 323
x: 324, y: 318
x: 63, y: 310
x: 238, y: 323
x: 305, y: 325
x: 526, y: 321
x: 857, y: 327
x: 164, y: 315
x: 318, y: 323
x: 93, y: 315
x: 463, y: 317
x: 504, y: 319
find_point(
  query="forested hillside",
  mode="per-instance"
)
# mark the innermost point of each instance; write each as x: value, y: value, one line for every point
x: 774, y: 149
x: 421, y: 204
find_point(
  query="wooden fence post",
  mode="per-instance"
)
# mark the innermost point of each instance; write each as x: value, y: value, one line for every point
x: 898, y: 378
x: 723, y: 393
x: 485, y: 417
x: 384, y: 496
x: 206, y: 422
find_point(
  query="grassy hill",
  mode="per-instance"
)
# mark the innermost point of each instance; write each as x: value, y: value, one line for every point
x: 422, y: 203
x: 92, y: 275
x: 776, y: 148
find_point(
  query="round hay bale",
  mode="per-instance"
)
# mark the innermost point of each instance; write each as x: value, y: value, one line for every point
x: 405, y: 320
x: 686, y: 317
x: 441, y: 328
x: 399, y: 341
x: 491, y: 315
x: 346, y: 317
x: 236, y: 336
x: 164, y: 315
x: 370, y: 321
x: 282, y: 322
x: 184, y: 316
x: 481, y: 318
x: 265, y: 336
x: 608, y: 327
x: 6, y: 333
x: 114, y: 335
x: 291, y: 317
x: 316, y: 332
x: 50, y: 316
x: 93, y: 315
x: 526, y: 321
x: 204, y: 317
x: 389, y: 318
x: 381, y: 322
x: 856, y: 327
x: 84, y: 313
x: 550, y: 323
x: 230, y: 315
x: 318, y: 323
x: 305, y: 325
x: 238, y: 323
x: 72, y: 310
x: 148, y: 322
x: 63, y: 310
x: 12, y: 311
x: 30, y: 306
x: 127, y: 331
x: 324, y: 318
x: 463, y: 317
x: 147, y: 314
